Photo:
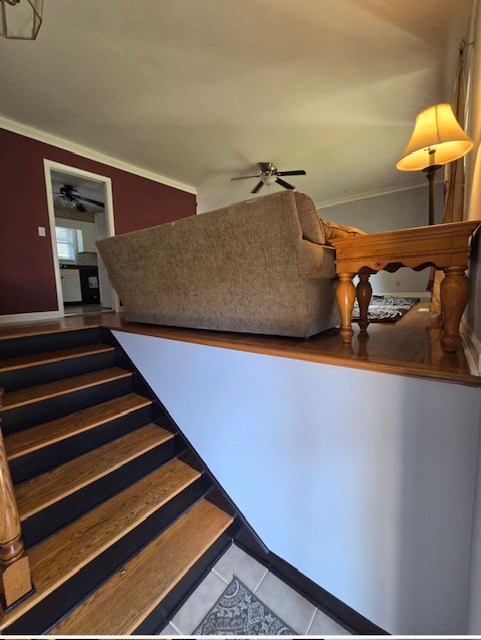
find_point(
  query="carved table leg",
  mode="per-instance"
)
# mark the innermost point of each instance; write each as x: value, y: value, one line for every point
x: 363, y: 293
x: 345, y: 296
x: 454, y: 298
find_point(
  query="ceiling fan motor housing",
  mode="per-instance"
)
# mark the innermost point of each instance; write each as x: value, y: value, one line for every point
x: 269, y: 175
x: 268, y: 168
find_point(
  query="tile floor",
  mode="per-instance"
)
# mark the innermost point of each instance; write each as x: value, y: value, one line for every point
x: 292, y: 608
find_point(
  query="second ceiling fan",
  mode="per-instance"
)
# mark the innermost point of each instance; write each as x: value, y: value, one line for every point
x: 269, y: 175
x: 69, y: 196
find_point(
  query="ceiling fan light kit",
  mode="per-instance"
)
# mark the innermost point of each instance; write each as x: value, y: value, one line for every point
x: 268, y: 175
x: 20, y: 19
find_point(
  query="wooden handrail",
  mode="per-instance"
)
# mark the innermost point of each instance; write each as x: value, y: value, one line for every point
x: 15, y: 577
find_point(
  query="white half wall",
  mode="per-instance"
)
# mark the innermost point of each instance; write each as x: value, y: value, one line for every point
x: 473, y: 312
x: 386, y: 212
x: 363, y: 481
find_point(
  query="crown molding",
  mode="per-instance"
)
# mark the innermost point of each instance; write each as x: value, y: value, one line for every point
x: 91, y: 154
x: 371, y: 194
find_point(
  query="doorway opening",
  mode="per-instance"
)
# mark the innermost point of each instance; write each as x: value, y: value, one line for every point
x: 80, y: 212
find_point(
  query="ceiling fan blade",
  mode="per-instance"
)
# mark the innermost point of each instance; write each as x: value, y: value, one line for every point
x: 284, y: 184
x: 90, y: 201
x: 244, y: 177
x: 79, y: 206
x: 299, y: 172
x: 258, y: 186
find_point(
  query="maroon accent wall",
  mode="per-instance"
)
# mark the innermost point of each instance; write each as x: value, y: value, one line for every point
x: 27, y: 277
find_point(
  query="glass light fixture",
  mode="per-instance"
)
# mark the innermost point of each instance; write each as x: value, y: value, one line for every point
x: 269, y: 180
x: 436, y: 140
x: 20, y: 19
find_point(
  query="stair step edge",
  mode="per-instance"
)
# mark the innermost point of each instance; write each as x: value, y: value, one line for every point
x: 50, y: 357
x: 51, y: 487
x: 61, y: 552
x: 121, y: 603
x: 49, y: 433
x: 57, y: 388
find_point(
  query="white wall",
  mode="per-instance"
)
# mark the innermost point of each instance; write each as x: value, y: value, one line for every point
x: 473, y: 198
x: 398, y: 210
x: 474, y: 626
x: 473, y: 177
x: 361, y: 480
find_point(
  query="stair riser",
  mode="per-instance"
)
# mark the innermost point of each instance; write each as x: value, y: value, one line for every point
x: 48, y: 342
x: 164, y: 612
x: 30, y: 376
x: 47, y: 613
x: 30, y: 465
x: 46, y: 522
x: 35, y: 413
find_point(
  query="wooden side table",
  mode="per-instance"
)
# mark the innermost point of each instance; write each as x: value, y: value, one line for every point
x: 444, y: 246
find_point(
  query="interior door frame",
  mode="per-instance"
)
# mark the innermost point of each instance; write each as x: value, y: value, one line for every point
x: 49, y: 166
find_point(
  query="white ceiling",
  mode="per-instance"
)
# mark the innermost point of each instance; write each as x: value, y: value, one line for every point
x: 202, y: 90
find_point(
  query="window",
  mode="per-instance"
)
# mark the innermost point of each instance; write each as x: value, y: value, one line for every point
x: 69, y: 242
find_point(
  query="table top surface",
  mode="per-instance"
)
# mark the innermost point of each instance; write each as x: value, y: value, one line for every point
x: 440, y: 246
x: 465, y: 228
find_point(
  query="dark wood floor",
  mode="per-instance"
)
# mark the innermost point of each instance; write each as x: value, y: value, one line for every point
x: 409, y: 347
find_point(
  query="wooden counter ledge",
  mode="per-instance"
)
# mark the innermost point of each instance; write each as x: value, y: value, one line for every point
x: 410, y: 347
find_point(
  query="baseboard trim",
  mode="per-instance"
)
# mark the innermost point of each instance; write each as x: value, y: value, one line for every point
x: 472, y: 347
x: 30, y: 317
x: 340, y: 612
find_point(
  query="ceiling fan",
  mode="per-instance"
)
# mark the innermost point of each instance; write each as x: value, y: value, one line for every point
x: 69, y: 196
x: 269, y: 174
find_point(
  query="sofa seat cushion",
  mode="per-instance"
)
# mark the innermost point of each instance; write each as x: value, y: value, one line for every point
x: 334, y: 230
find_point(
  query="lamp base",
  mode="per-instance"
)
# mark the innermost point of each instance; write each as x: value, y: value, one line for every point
x: 430, y: 173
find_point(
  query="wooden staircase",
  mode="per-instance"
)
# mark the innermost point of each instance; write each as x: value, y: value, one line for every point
x: 119, y: 518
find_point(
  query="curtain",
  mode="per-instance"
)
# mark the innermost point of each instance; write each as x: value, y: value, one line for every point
x: 453, y: 177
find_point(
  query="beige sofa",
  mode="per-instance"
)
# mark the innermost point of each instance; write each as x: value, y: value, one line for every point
x: 258, y: 266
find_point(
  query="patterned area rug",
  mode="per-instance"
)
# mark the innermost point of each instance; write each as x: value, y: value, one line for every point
x: 238, y: 611
x: 386, y: 308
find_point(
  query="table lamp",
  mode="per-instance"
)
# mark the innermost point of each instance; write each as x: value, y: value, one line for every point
x: 436, y: 140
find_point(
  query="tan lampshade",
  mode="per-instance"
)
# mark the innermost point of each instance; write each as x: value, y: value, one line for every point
x: 436, y: 129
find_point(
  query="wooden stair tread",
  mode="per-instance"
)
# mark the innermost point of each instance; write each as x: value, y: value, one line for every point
x: 36, y: 359
x: 42, y: 491
x: 43, y: 435
x: 63, y: 325
x: 62, y: 555
x: 29, y: 395
x: 124, y: 601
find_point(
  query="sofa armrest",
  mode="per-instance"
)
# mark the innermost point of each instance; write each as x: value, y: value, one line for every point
x: 316, y: 261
